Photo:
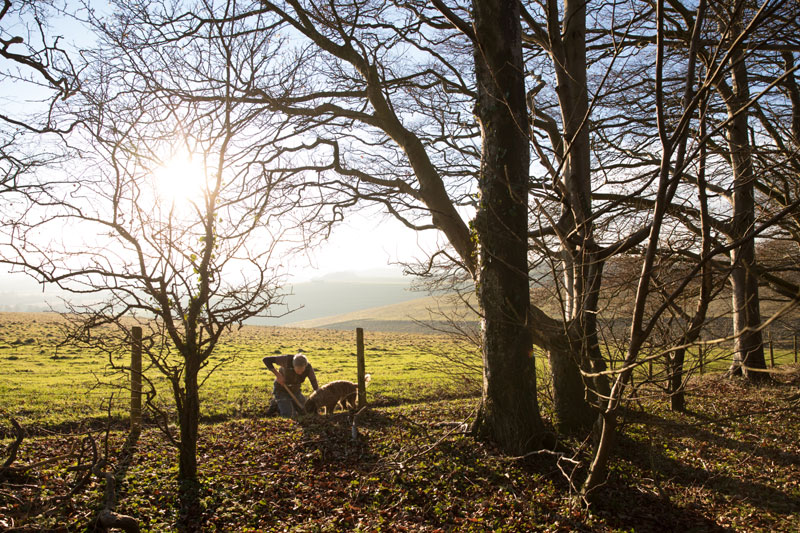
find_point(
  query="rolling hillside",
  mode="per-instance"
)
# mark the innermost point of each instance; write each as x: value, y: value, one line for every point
x: 429, y: 314
x: 335, y: 296
x: 421, y: 315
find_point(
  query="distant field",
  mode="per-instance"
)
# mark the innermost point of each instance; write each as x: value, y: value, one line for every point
x: 415, y: 316
x: 43, y: 383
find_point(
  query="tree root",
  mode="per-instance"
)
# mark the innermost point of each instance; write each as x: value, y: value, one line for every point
x: 108, y: 518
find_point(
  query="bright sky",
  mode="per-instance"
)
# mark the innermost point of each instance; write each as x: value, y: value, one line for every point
x: 367, y: 242
x: 363, y: 246
x: 373, y: 243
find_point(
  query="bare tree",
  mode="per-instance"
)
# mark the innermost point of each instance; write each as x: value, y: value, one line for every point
x: 37, y: 73
x: 752, y: 39
x: 677, y: 155
x: 178, y: 215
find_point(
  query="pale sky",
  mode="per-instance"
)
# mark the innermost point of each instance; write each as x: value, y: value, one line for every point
x: 367, y: 241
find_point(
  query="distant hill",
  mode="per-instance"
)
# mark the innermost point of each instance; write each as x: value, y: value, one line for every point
x: 337, y: 294
x: 332, y: 294
x: 421, y: 315
x: 21, y: 293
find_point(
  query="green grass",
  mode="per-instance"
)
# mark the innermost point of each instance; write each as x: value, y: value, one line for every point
x: 36, y: 374
x: 730, y: 463
x: 46, y: 384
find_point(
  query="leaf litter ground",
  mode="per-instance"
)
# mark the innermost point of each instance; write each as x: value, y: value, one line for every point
x: 728, y: 464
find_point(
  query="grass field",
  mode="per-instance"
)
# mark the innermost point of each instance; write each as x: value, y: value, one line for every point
x: 730, y: 463
x: 45, y: 384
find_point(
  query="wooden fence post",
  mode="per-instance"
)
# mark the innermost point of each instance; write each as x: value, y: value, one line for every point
x: 701, y: 355
x: 136, y: 377
x: 771, y: 351
x: 362, y: 385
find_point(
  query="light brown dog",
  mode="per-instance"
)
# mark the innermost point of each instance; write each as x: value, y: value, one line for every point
x: 335, y: 393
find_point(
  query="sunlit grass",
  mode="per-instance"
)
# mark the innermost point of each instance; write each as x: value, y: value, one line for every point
x: 43, y: 383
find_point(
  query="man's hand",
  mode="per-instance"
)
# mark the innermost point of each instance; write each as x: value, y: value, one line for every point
x: 279, y: 378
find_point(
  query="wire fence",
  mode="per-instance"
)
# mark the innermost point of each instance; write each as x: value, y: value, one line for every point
x: 36, y: 384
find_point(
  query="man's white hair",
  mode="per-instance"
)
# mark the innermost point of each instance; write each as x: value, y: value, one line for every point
x: 299, y: 360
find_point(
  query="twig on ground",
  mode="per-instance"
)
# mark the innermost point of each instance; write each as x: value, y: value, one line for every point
x: 12, y: 448
x: 354, y: 425
x: 108, y: 518
x: 395, y: 465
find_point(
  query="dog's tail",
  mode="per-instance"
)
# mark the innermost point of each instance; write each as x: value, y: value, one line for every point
x: 367, y: 379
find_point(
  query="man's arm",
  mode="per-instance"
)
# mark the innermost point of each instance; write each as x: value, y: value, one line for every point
x: 271, y: 361
x: 312, y: 377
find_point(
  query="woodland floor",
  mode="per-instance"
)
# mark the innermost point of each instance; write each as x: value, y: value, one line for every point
x: 730, y: 463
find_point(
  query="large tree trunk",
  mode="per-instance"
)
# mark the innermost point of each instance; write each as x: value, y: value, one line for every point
x: 189, y: 417
x: 582, y: 269
x: 748, y: 358
x: 509, y: 414
x: 571, y: 411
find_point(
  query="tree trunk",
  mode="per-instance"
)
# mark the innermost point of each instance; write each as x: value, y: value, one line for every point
x: 509, y: 414
x: 592, y: 358
x: 572, y: 413
x: 187, y: 467
x: 573, y: 400
x: 189, y: 416
x: 575, y: 397
x: 749, y: 355
x: 677, y: 358
x: 748, y: 358
x: 675, y: 384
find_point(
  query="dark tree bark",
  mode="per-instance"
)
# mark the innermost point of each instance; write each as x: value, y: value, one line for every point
x: 583, y: 267
x: 189, y: 417
x: 748, y: 359
x: 509, y: 413
x: 188, y: 482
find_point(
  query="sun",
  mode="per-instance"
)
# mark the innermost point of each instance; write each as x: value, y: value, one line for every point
x: 180, y: 181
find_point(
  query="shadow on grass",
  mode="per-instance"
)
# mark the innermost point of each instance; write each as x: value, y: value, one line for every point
x: 697, y: 432
x: 651, y: 458
x: 631, y: 509
x: 330, y: 438
x: 770, y: 453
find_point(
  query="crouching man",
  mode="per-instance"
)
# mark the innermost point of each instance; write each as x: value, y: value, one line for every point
x: 291, y: 372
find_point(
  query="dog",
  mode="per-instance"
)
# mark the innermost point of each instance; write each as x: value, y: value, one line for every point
x: 344, y: 393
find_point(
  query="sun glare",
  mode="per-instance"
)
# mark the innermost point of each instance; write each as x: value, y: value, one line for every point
x: 181, y: 181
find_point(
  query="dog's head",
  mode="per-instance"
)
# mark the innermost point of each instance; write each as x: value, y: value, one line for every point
x: 311, y: 406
